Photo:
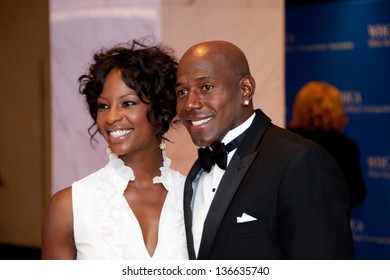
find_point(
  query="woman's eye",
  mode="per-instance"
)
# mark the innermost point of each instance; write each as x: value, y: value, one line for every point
x: 128, y: 103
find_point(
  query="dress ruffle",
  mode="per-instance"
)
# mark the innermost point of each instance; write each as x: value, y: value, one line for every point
x: 110, y: 199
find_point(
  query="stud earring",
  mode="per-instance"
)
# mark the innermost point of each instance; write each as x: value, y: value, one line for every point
x: 163, y: 145
x: 246, y: 102
x: 108, y: 150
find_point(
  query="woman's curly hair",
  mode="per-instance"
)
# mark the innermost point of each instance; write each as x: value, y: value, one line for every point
x: 149, y: 70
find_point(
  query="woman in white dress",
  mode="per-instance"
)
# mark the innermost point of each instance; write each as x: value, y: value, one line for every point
x: 132, y: 208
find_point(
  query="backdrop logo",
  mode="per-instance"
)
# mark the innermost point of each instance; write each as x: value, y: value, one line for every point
x: 351, y: 97
x: 352, y: 101
x: 379, y: 166
x: 357, y: 225
x: 293, y: 45
x: 354, y: 104
x: 378, y: 35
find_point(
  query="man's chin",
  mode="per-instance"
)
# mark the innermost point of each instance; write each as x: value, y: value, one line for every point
x: 200, y: 142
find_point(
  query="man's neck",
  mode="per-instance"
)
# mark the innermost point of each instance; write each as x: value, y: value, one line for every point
x: 238, y: 130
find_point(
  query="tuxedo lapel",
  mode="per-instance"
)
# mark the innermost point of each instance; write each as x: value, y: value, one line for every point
x: 231, y: 180
x: 226, y: 190
x: 188, y: 194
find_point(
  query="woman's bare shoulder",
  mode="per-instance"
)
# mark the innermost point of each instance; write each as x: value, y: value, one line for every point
x: 57, y: 231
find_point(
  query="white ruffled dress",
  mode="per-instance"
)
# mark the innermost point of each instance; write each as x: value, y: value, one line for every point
x: 105, y: 226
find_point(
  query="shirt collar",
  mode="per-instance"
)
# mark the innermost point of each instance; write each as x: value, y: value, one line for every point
x: 238, y: 130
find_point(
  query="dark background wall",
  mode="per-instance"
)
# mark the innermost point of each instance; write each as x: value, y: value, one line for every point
x: 24, y: 125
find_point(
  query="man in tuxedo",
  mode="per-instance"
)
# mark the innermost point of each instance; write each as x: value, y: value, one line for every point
x: 271, y: 194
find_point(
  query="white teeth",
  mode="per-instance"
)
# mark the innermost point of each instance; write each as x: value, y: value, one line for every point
x: 200, y: 122
x: 119, y: 133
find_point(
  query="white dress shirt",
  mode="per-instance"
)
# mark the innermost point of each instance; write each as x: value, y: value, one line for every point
x: 206, y: 185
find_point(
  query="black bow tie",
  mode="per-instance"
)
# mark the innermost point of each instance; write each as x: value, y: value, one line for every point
x: 218, y: 155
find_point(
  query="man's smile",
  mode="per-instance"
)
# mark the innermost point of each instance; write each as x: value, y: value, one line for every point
x: 200, y: 122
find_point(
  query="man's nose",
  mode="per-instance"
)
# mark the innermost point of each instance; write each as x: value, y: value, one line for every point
x: 193, y: 101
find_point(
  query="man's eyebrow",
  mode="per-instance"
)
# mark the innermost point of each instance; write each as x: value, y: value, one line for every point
x: 201, y: 78
x: 178, y: 84
x: 204, y: 78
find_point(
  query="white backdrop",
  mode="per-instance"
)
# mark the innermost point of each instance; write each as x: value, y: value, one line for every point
x: 80, y: 27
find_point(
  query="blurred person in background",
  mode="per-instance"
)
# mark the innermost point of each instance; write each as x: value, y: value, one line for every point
x: 318, y: 115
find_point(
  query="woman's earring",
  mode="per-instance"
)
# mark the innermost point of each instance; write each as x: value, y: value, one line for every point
x: 108, y: 150
x: 246, y: 102
x: 163, y: 145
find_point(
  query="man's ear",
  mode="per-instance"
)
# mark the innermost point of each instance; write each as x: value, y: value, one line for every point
x: 248, y: 86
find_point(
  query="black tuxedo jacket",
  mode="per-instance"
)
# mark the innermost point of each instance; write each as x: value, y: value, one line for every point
x: 291, y: 186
